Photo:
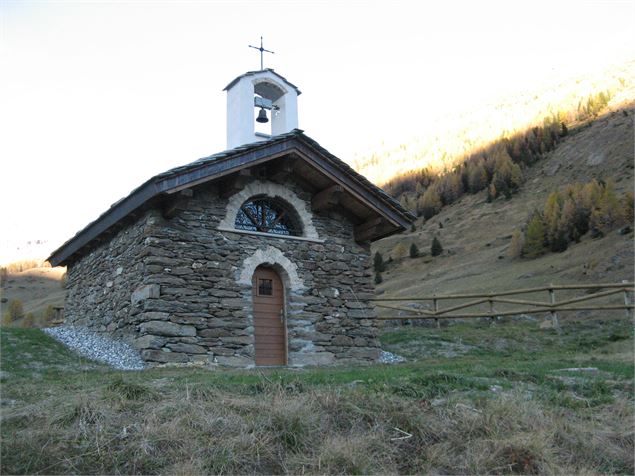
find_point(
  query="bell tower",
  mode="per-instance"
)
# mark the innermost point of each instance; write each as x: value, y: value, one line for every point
x: 260, y: 104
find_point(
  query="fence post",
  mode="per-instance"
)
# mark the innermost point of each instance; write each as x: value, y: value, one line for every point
x: 627, y: 301
x: 491, y: 310
x: 435, y: 304
x: 554, y: 314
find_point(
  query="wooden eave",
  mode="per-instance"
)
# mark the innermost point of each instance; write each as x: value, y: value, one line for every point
x: 361, y: 194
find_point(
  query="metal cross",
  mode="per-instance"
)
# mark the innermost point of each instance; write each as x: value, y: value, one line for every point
x: 262, y: 50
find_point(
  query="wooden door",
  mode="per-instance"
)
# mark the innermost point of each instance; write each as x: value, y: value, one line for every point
x: 270, y: 340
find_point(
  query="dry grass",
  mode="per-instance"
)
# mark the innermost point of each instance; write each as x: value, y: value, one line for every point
x: 37, y: 288
x: 64, y: 420
x: 327, y: 431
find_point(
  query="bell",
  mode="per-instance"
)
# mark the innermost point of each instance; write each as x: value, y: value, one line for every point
x: 262, y: 116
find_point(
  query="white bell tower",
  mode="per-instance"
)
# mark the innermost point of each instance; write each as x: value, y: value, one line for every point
x: 260, y: 104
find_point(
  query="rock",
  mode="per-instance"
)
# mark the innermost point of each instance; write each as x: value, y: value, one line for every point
x: 217, y: 332
x: 149, y: 341
x: 237, y: 340
x: 144, y: 292
x: 164, y: 328
x: 596, y: 158
x: 154, y: 316
x: 546, y: 324
x: 343, y: 341
x: 164, y: 357
x: 311, y: 358
x: 625, y: 230
x: 188, y: 348
x: 552, y: 169
x: 235, y: 361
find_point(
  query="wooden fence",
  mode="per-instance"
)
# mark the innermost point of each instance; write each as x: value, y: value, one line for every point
x: 595, y: 292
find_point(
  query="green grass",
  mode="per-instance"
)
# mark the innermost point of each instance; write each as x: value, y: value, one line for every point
x: 503, y: 404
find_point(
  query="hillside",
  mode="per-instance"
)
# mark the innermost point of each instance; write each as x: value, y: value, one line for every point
x: 450, y: 138
x: 37, y: 288
x: 476, y: 234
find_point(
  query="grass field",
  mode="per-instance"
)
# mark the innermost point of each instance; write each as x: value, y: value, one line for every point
x: 472, y: 399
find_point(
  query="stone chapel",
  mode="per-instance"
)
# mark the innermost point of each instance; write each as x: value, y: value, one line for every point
x: 255, y: 256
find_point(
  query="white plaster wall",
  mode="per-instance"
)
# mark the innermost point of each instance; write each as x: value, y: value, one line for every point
x: 240, y: 109
x: 270, y: 189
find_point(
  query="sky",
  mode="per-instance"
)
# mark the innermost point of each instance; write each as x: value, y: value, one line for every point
x: 98, y: 96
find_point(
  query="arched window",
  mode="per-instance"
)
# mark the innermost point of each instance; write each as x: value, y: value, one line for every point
x: 268, y: 215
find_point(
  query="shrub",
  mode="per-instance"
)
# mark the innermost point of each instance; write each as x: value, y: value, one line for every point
x: 16, y: 309
x: 436, y: 249
x: 7, y: 320
x: 429, y: 203
x: 414, y: 251
x: 534, y: 245
x: 400, y: 251
x: 516, y: 245
x: 378, y: 278
x: 50, y: 313
x: 28, y: 320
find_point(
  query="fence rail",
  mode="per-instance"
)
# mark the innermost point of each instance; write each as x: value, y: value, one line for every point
x: 598, y: 292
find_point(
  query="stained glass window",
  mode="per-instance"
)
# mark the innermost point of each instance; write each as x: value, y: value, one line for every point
x: 268, y: 215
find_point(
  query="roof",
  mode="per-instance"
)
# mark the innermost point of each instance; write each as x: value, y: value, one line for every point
x: 229, y: 161
x: 253, y: 73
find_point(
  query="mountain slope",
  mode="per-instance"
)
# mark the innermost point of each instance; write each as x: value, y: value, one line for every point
x: 476, y: 234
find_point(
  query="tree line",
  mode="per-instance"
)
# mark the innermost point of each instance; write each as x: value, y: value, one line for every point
x: 568, y: 214
x: 498, y: 168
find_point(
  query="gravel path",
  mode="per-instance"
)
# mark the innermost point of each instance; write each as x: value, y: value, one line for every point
x: 117, y: 354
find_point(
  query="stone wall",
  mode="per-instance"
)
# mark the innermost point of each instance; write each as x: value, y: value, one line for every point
x: 183, y: 288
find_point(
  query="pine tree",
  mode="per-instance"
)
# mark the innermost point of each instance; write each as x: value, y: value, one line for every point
x: 492, y: 193
x: 378, y: 263
x: 551, y: 216
x: 378, y: 278
x: 414, y: 251
x: 430, y: 203
x: 534, y: 237
x: 436, y: 249
x: 627, y: 208
x: 516, y: 178
x: 476, y: 177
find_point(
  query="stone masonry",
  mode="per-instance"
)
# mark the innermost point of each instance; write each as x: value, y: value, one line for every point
x: 179, y: 289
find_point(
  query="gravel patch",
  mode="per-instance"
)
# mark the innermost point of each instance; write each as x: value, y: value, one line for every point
x: 390, y: 358
x: 115, y: 353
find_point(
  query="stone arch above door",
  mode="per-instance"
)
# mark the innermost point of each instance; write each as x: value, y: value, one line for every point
x: 273, y: 257
x: 270, y: 189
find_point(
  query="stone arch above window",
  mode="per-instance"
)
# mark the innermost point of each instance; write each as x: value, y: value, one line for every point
x: 268, y: 215
x: 277, y: 195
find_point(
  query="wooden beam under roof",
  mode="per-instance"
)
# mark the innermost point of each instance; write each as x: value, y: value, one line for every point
x: 235, y: 183
x: 171, y: 206
x: 327, y: 198
x: 367, y: 230
x: 280, y: 169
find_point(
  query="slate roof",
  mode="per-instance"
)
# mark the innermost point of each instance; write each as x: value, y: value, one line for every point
x: 252, y: 73
x: 200, y: 169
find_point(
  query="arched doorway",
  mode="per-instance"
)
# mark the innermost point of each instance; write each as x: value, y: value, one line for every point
x: 270, y: 339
